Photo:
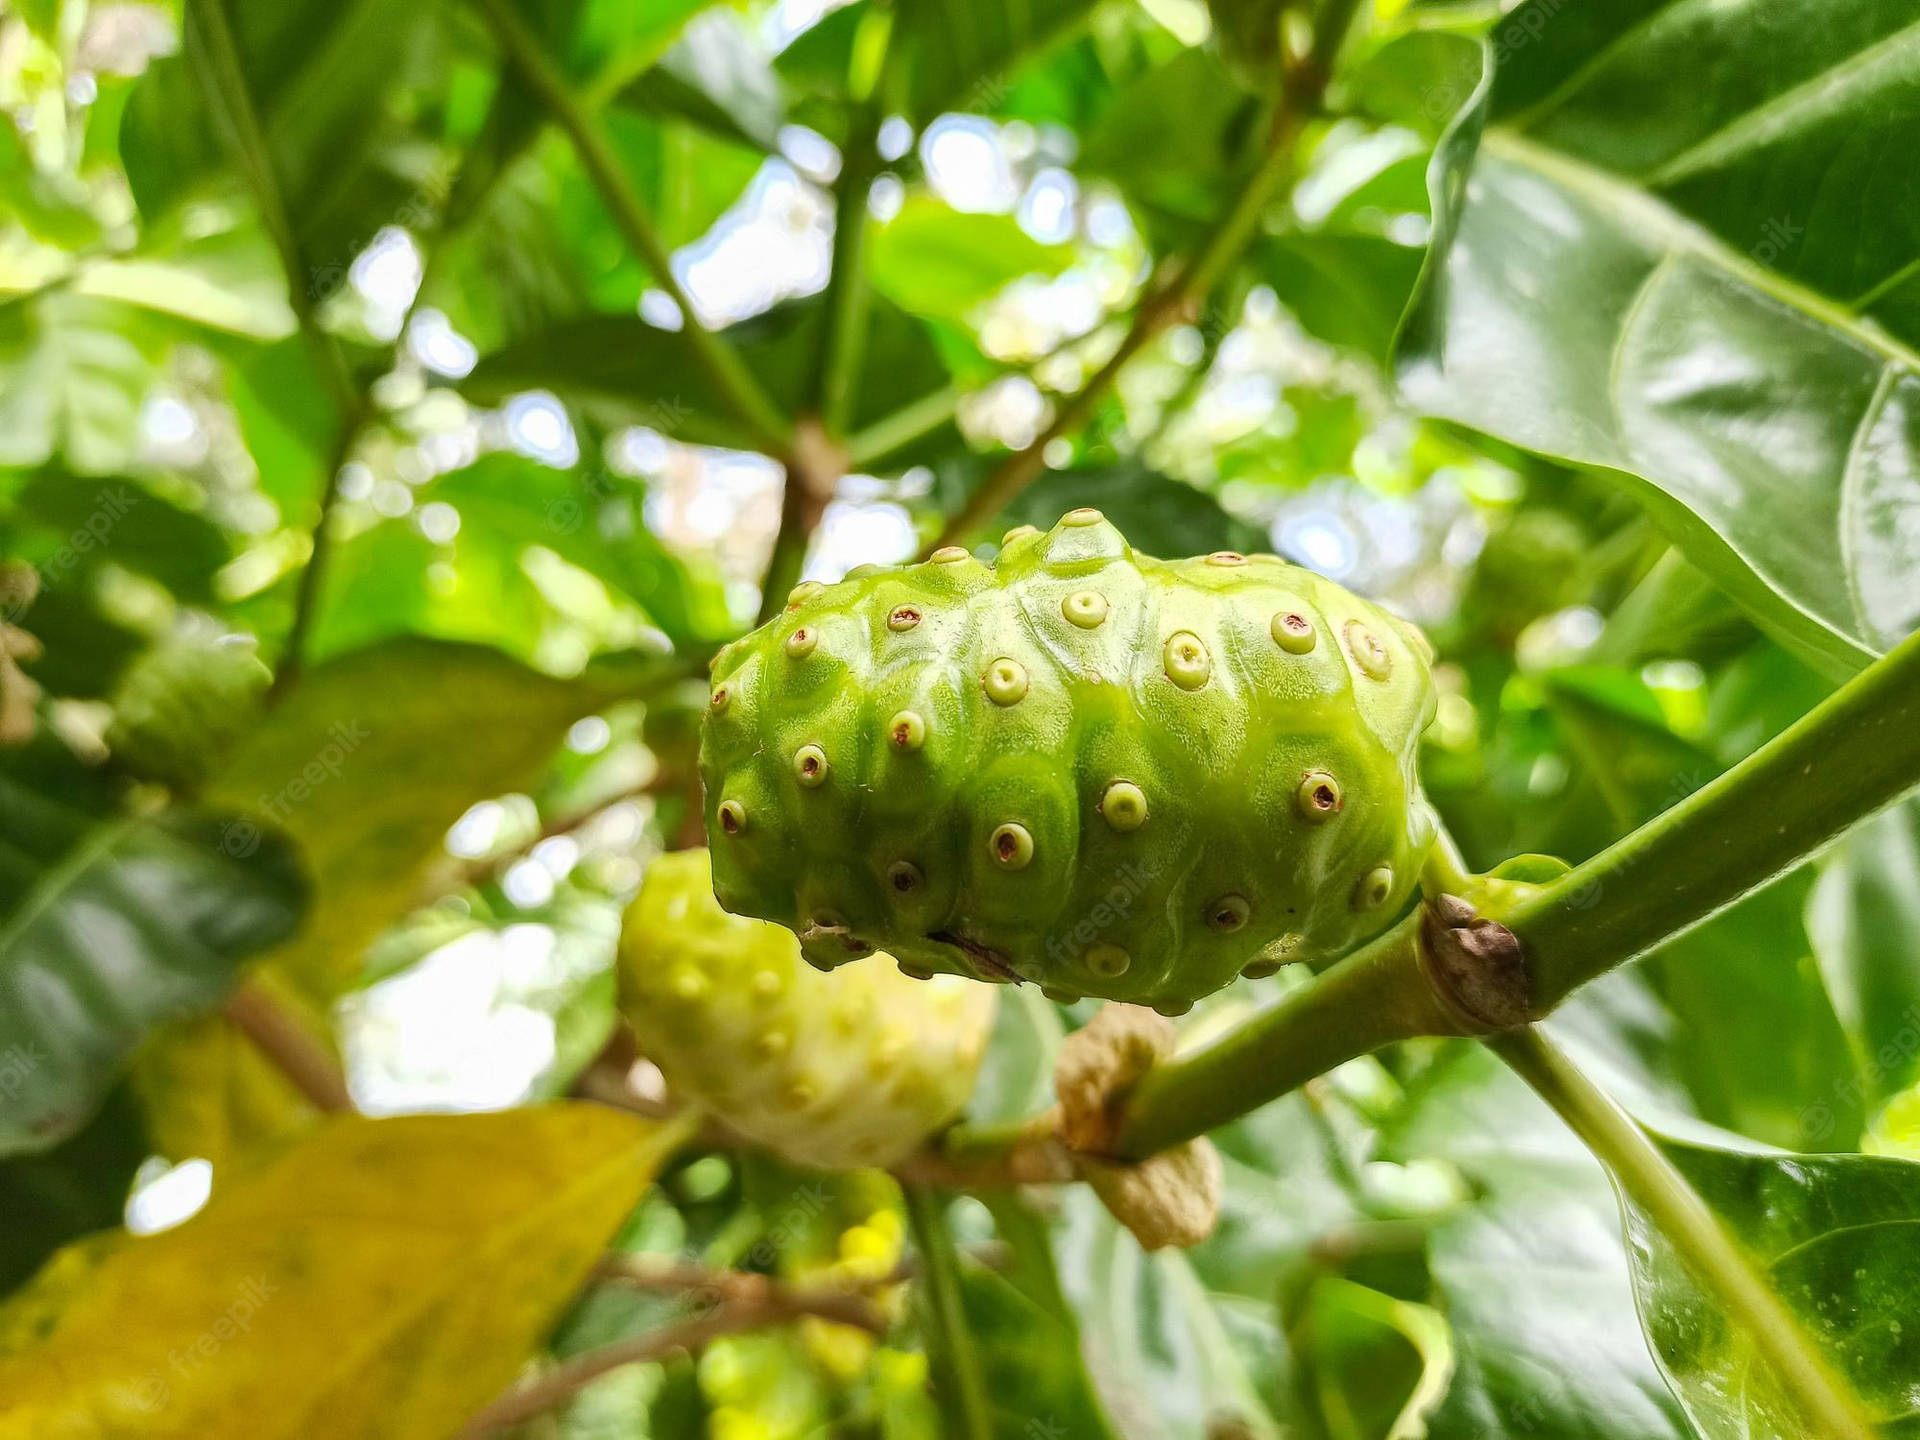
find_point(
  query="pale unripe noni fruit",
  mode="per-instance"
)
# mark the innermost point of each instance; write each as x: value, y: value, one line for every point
x: 852, y: 1068
x: 1104, y: 773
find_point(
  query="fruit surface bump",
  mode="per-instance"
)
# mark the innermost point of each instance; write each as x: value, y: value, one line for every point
x: 852, y: 1068
x: 1108, y: 774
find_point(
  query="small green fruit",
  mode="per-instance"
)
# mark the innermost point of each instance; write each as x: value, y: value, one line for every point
x: 852, y: 1068
x: 1107, y: 774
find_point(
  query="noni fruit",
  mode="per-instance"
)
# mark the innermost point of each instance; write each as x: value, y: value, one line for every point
x: 1112, y: 775
x: 852, y: 1068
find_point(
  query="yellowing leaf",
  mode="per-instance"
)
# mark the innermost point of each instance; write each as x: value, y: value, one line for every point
x: 372, y: 758
x: 380, y: 1281
x: 207, y: 1091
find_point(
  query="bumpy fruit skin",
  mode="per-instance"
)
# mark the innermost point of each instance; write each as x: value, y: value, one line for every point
x: 1109, y: 774
x: 833, y: 1071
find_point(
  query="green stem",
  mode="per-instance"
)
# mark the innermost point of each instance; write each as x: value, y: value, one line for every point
x: 1189, y: 287
x: 972, y: 1416
x: 1854, y: 753
x: 1648, y: 1179
x: 226, y: 75
x: 743, y: 394
x: 800, y: 512
x: 1375, y: 996
x: 313, y: 578
x: 905, y: 425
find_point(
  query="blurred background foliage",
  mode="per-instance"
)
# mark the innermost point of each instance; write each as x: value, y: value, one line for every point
x: 543, y: 514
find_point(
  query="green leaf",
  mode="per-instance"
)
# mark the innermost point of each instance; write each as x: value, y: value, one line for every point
x: 1759, y: 1046
x: 1862, y: 916
x: 109, y: 925
x: 384, y: 1278
x: 961, y: 57
x: 933, y: 260
x: 74, y: 371
x: 318, y: 72
x: 625, y: 371
x: 79, y: 1186
x: 1532, y: 1275
x: 594, y: 521
x: 1658, y: 265
x: 717, y: 75
x: 375, y: 754
x: 1179, y: 167
x: 76, y: 525
x: 599, y: 44
x: 1157, y: 1342
x: 1834, y: 1236
x: 1180, y: 519
x: 1026, y: 1340
x: 1379, y: 1365
x: 1344, y: 288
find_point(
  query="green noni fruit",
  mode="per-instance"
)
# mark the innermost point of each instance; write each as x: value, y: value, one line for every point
x: 853, y: 1068
x: 1109, y: 774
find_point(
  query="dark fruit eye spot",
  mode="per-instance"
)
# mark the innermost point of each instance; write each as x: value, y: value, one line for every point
x: 1323, y: 796
x: 1008, y: 847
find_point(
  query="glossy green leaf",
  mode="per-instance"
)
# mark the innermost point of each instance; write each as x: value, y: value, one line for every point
x: 1862, y: 916
x: 370, y: 760
x: 1759, y: 1046
x: 932, y: 260
x: 1655, y: 261
x: 1532, y: 1275
x: 1025, y: 1340
x: 1834, y: 1236
x: 1155, y: 1341
x: 111, y: 924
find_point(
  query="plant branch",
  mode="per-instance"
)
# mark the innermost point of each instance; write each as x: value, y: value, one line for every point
x: 972, y: 1417
x: 227, y: 78
x: 1646, y: 1177
x: 565, y: 1380
x: 742, y: 393
x: 1375, y: 996
x: 1855, y: 752
x: 255, y: 1013
x: 1178, y: 297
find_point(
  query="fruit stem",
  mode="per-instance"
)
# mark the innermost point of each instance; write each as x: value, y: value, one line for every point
x: 971, y: 1417
x: 1649, y: 1180
x: 1375, y: 996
